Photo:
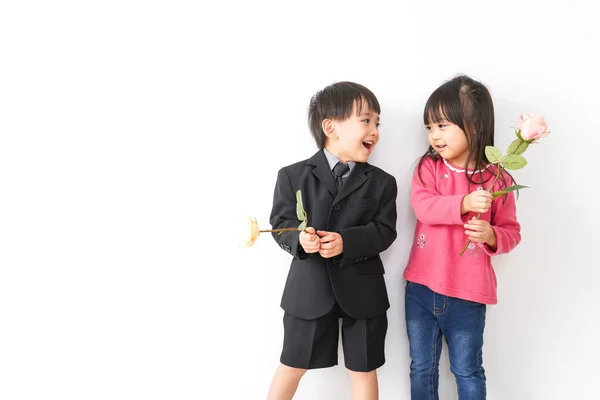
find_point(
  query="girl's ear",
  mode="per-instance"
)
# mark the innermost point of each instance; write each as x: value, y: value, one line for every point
x: 328, y: 127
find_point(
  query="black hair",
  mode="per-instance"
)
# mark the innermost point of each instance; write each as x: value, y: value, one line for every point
x: 468, y: 104
x: 335, y: 102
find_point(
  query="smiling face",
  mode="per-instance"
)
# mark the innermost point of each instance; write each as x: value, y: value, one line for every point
x: 449, y: 141
x: 354, y: 138
x: 459, y: 118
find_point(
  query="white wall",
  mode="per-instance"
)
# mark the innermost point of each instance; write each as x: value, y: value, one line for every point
x: 118, y: 278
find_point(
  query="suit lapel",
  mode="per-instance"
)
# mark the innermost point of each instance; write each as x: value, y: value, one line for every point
x: 355, y: 180
x: 322, y: 171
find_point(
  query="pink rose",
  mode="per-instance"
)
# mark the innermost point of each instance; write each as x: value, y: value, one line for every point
x: 532, y: 127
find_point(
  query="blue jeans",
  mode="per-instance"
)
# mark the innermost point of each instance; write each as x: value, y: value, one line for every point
x: 430, y: 315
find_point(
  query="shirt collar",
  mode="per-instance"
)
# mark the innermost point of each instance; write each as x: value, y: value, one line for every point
x: 333, y: 160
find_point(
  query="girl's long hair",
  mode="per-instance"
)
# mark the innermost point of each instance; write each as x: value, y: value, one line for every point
x: 468, y: 104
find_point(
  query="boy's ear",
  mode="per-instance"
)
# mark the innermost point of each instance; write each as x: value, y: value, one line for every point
x: 328, y: 127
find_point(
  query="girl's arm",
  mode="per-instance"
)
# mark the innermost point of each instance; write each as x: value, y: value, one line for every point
x: 431, y: 207
x: 505, y: 225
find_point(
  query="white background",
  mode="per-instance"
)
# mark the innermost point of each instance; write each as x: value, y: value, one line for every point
x: 133, y: 133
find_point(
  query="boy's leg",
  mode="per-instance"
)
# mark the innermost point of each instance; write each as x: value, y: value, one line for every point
x: 285, y: 382
x: 364, y: 385
x: 307, y: 344
x: 364, y: 351
x: 463, y: 328
x: 425, y: 340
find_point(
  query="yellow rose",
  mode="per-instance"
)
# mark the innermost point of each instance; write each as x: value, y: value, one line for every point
x: 247, y: 231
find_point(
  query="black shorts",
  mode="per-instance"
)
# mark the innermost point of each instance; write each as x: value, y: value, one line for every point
x: 311, y: 344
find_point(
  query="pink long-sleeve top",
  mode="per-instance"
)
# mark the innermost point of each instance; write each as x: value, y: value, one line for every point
x: 440, y: 234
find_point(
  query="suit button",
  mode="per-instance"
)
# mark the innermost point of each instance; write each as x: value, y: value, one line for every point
x: 336, y: 207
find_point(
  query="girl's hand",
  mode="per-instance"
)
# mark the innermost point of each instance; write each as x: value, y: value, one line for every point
x: 309, y: 240
x: 481, y: 231
x: 478, y: 201
x: 331, y: 244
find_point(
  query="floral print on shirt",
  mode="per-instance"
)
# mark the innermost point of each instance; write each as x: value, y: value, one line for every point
x: 421, y: 241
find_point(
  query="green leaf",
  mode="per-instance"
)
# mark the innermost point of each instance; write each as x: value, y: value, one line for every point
x: 514, y: 161
x: 508, y: 189
x: 302, y: 226
x: 299, y: 212
x: 299, y: 207
x: 493, y: 154
x: 518, y: 146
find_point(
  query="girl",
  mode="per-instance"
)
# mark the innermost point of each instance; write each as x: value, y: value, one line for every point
x: 447, y: 293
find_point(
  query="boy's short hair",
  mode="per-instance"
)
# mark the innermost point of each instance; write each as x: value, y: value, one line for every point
x: 335, y: 102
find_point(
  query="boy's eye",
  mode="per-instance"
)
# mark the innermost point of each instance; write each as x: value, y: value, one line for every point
x: 428, y: 128
x: 441, y: 126
x: 368, y: 121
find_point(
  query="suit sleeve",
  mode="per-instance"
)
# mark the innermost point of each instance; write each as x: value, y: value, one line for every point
x: 283, y: 215
x: 431, y: 207
x: 376, y: 236
x: 504, y: 224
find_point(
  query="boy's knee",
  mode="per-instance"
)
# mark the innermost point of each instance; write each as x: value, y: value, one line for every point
x: 292, y: 372
x: 363, y: 377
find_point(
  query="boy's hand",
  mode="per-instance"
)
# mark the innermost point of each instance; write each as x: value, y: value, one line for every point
x: 309, y: 240
x: 478, y: 201
x: 481, y: 231
x: 331, y: 244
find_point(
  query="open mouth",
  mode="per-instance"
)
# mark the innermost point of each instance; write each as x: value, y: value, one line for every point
x: 439, y: 147
x: 368, y: 144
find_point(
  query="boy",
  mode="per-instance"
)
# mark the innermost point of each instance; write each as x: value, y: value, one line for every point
x: 336, y: 271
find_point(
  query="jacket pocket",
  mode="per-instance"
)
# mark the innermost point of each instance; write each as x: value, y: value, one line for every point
x: 370, y: 266
x: 370, y: 270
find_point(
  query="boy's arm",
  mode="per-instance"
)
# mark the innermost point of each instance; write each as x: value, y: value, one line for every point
x: 377, y: 235
x: 431, y: 207
x: 505, y: 225
x: 283, y: 215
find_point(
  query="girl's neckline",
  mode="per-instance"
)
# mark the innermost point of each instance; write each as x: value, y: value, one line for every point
x: 454, y: 168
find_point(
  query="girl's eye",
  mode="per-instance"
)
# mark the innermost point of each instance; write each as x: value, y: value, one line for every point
x: 378, y: 125
x: 366, y: 121
x: 441, y: 126
x: 427, y: 128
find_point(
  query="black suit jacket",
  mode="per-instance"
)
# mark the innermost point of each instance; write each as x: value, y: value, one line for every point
x: 363, y: 213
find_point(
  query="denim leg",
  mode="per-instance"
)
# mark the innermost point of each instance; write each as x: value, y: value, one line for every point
x: 463, y: 326
x: 425, y: 340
